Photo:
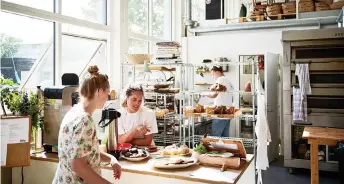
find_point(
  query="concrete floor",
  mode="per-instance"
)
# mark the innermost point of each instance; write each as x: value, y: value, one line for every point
x: 278, y: 174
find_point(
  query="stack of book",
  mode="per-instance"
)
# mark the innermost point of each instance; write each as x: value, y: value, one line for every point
x: 167, y: 50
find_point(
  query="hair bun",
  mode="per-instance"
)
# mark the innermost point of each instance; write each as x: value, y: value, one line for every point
x: 93, y: 70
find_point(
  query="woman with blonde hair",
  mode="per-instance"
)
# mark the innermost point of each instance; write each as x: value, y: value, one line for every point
x: 78, y: 147
x: 137, y: 123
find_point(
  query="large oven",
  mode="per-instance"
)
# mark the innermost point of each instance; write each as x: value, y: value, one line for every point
x: 323, y: 51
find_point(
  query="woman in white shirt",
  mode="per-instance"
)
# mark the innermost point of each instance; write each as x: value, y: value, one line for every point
x: 220, y: 127
x: 137, y: 123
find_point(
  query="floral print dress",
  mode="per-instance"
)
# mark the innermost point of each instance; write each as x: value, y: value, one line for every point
x: 77, y: 139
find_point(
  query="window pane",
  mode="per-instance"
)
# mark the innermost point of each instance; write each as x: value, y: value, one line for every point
x: 161, y: 23
x: 99, y: 59
x: 198, y: 10
x: 47, y: 5
x: 138, y: 16
x: 138, y: 46
x: 91, y: 10
x: 27, y: 50
x: 77, y: 52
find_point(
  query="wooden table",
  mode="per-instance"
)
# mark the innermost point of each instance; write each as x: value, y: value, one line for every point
x: 320, y: 136
x: 142, y: 171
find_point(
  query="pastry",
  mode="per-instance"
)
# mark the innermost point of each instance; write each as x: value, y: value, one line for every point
x: 230, y: 110
x: 220, y: 110
x: 218, y: 88
x: 176, y: 150
x: 161, y: 112
x: 210, y: 109
x: 199, y: 108
x: 189, y: 109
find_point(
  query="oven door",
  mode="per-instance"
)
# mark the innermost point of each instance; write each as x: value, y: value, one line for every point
x: 326, y: 68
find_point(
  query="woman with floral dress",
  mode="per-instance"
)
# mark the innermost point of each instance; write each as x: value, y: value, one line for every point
x: 79, y: 155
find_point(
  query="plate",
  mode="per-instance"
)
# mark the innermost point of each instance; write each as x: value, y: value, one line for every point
x: 160, y: 163
x: 136, y: 159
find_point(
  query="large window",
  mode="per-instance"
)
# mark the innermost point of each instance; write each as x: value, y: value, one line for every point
x: 25, y: 49
x: 149, y: 21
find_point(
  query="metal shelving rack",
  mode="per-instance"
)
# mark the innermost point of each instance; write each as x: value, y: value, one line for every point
x: 164, y: 138
x: 186, y: 96
x: 195, y: 139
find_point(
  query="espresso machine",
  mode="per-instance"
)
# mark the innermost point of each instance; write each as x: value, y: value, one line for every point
x: 57, y: 102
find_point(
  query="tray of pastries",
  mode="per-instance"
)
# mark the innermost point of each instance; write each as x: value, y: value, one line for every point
x: 212, y: 111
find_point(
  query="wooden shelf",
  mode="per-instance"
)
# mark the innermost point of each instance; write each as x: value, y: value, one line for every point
x: 202, y: 84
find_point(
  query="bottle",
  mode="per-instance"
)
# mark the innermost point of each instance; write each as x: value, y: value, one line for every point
x: 39, y: 136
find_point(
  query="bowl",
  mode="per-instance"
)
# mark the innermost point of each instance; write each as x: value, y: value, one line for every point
x: 138, y: 58
x: 123, y: 146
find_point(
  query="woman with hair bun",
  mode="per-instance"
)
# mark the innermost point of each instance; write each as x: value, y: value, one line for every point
x: 137, y: 124
x: 78, y: 147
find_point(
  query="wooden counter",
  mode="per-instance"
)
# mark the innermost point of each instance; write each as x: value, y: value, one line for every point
x: 196, y: 173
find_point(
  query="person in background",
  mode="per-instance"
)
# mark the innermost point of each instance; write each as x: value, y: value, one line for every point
x: 137, y: 123
x: 220, y: 127
x: 78, y: 147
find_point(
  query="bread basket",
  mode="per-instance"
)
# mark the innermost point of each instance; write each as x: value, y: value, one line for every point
x: 138, y: 58
x: 321, y: 6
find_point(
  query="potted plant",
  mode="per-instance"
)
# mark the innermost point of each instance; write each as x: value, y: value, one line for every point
x: 22, y: 103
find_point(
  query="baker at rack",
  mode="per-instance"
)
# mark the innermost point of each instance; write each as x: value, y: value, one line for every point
x: 137, y: 123
x: 220, y: 126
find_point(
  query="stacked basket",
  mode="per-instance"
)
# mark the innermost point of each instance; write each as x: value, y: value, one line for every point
x: 306, y: 6
x: 289, y: 8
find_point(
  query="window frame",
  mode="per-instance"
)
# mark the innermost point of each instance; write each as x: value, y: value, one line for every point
x: 116, y: 29
x: 58, y: 19
x: 150, y: 38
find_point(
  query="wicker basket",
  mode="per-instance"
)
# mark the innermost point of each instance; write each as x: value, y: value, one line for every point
x: 320, y: 6
x: 274, y: 9
x: 306, y: 7
x: 329, y: 2
x: 288, y: 8
x: 337, y: 5
x: 139, y: 58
